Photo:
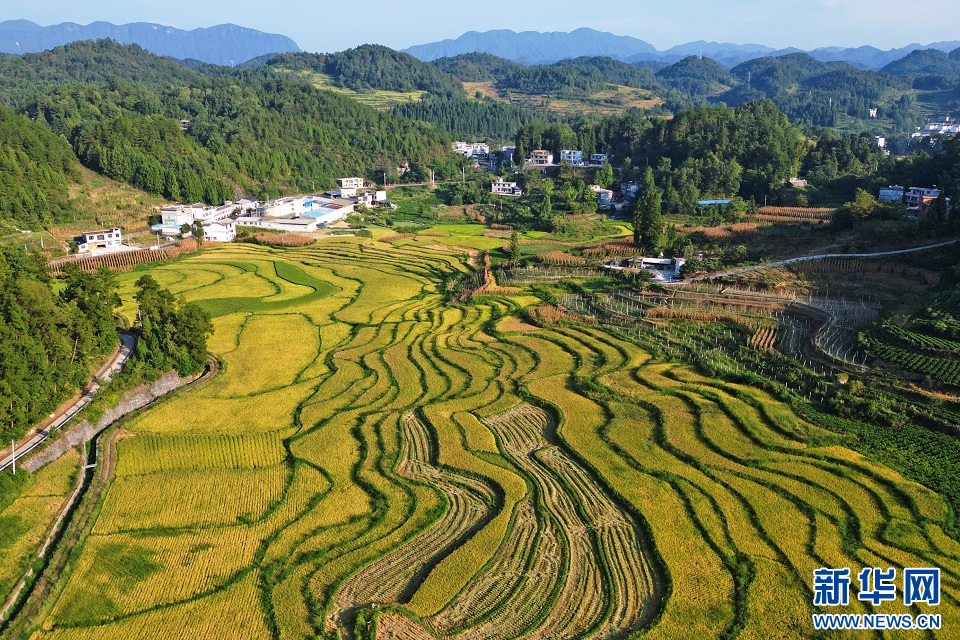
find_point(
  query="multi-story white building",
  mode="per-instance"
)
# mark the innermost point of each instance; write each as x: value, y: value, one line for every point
x: 920, y: 197
x: 503, y: 188
x: 350, y: 183
x: 599, y: 159
x: 223, y: 231
x: 541, y: 158
x: 604, y: 196
x: 96, y: 241
x: 571, y: 156
x: 477, y: 150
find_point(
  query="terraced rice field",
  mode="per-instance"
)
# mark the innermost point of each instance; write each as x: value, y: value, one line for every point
x: 375, y: 462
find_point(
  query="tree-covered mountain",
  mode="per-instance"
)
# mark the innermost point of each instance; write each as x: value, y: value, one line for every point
x: 94, y: 62
x: 478, y: 67
x: 372, y: 67
x: 927, y: 62
x: 696, y: 76
x: 612, y: 71
x: 36, y: 170
x: 826, y: 93
x: 223, y: 44
x: 207, y: 134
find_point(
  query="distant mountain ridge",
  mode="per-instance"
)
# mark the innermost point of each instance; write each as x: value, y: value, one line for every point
x: 533, y: 47
x: 223, y: 44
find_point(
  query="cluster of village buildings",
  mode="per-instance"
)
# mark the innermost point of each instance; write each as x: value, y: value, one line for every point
x: 296, y: 213
x: 916, y: 199
x: 219, y: 223
x: 479, y: 152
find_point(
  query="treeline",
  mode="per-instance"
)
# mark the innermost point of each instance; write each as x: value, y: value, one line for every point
x: 249, y: 131
x: 173, y: 333
x: 49, y: 343
x: 705, y: 152
x: 101, y: 62
x: 465, y: 118
x: 373, y: 67
x: 36, y: 171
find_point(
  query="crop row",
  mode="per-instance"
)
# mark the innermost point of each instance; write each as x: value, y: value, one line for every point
x: 940, y: 369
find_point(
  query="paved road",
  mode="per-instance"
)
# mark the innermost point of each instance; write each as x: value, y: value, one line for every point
x: 65, y: 414
x: 821, y: 256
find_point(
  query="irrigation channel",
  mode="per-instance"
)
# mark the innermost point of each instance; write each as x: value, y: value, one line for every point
x: 31, y: 592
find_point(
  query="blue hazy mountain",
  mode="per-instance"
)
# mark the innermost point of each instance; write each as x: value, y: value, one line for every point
x: 533, y: 47
x: 223, y: 44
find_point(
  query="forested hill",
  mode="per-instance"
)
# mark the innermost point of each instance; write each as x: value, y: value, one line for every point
x: 36, y: 169
x: 189, y: 135
x: 94, y: 62
x: 372, y: 67
x: 705, y: 152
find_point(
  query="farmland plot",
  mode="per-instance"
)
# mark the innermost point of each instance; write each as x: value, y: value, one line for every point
x: 376, y: 462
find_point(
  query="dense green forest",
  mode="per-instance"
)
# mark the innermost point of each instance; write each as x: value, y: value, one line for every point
x: 173, y: 333
x: 372, y: 67
x: 102, y: 62
x: 250, y: 131
x: 36, y: 169
x: 710, y: 151
x: 49, y: 343
x: 696, y: 76
x: 473, y: 119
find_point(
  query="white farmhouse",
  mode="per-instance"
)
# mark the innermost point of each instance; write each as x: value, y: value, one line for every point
x: 177, y: 215
x: 96, y: 241
x: 350, y: 183
x: 223, y: 231
x: 475, y: 150
x: 571, y: 156
x: 503, y: 188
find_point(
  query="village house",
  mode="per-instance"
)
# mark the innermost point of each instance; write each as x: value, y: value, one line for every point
x: 476, y: 150
x: 100, y: 241
x: 571, y: 156
x: 221, y: 231
x: 541, y: 158
x: 604, y: 196
x: 503, y: 188
x: 598, y: 159
x: 350, y: 183
x: 919, y: 199
x: 893, y: 193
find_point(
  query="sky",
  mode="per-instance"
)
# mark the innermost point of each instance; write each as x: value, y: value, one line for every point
x: 324, y: 26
